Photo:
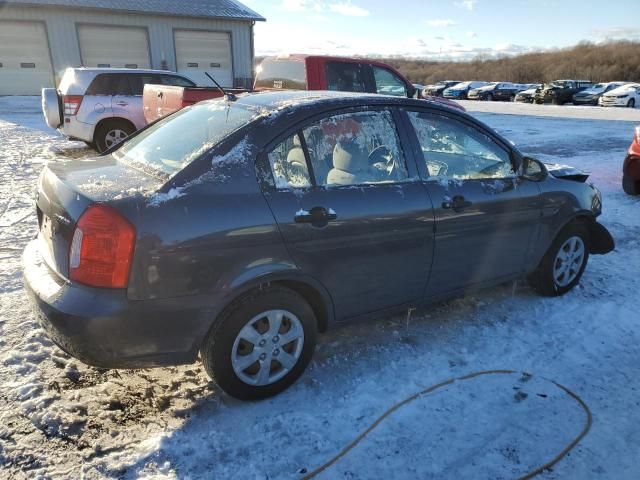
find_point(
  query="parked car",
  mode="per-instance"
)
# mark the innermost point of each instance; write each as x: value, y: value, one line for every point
x: 296, y: 72
x: 460, y: 91
x: 102, y: 106
x: 591, y: 95
x: 495, y: 91
x: 233, y: 229
x: 631, y: 166
x: 437, y: 89
x: 625, y: 96
x: 560, y: 92
x: 527, y: 95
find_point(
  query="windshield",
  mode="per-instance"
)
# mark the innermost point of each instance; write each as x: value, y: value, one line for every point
x: 461, y: 85
x: 174, y: 142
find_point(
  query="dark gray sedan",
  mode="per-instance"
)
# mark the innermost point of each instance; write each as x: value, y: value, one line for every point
x: 238, y: 229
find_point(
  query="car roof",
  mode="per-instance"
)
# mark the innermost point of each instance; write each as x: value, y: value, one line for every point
x: 121, y: 70
x: 271, y: 101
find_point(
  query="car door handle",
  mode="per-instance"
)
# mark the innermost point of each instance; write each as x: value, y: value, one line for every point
x: 122, y: 104
x: 317, y: 216
x: 458, y: 203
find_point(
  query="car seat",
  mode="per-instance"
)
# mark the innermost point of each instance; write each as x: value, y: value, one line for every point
x: 350, y: 165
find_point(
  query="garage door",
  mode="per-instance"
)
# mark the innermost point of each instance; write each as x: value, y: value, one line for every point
x: 116, y: 47
x: 198, y: 52
x: 25, y: 64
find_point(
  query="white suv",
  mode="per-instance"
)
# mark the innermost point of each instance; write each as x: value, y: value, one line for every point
x: 102, y: 106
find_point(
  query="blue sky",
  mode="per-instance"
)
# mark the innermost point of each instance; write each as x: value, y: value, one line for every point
x: 438, y: 29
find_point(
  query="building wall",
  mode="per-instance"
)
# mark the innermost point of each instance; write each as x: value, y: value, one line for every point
x: 65, y: 50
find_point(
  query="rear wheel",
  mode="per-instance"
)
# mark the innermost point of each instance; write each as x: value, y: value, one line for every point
x: 630, y: 185
x: 261, y: 344
x: 111, y: 133
x: 563, y: 265
x: 489, y: 98
x: 631, y: 103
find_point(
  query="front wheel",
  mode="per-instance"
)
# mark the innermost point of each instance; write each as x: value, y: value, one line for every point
x: 631, y: 103
x: 563, y: 265
x: 261, y: 344
x: 630, y: 185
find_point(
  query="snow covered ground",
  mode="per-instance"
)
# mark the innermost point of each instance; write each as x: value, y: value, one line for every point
x: 62, y: 419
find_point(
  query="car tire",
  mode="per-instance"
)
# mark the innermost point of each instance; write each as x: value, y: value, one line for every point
x: 630, y: 185
x: 631, y: 103
x: 110, y: 133
x: 245, y: 329
x: 563, y: 265
x: 91, y: 145
x: 489, y: 98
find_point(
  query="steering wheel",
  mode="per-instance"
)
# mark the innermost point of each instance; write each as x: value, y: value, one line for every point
x: 441, y: 166
x: 382, y: 160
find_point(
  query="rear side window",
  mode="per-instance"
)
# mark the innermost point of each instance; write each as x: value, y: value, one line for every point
x: 345, y: 77
x: 289, y: 74
x: 110, y: 84
x: 355, y: 149
x: 388, y: 83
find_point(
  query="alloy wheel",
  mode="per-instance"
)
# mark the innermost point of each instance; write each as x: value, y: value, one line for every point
x: 115, y: 136
x: 568, y: 261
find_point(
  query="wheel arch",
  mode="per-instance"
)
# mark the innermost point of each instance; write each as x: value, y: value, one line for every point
x: 107, y: 120
x: 600, y: 240
x: 309, y: 288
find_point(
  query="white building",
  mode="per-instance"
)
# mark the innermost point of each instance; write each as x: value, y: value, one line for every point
x: 39, y: 39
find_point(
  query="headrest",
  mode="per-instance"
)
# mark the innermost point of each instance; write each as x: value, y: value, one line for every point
x: 296, y: 155
x: 350, y: 157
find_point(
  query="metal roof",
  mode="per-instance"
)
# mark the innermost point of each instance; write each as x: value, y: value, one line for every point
x: 225, y: 9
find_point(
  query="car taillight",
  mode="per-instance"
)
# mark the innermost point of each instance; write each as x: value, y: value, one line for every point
x: 71, y: 104
x: 102, y: 248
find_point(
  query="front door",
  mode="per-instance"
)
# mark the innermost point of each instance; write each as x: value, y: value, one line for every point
x: 485, y: 216
x: 352, y: 211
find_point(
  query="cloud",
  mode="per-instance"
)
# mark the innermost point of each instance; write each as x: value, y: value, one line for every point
x: 472, y: 34
x: 319, y: 6
x: 468, y: 4
x: 348, y: 9
x: 616, y: 33
x: 438, y: 23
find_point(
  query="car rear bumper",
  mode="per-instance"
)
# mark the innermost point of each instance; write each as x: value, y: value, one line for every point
x: 73, y: 128
x: 103, y: 328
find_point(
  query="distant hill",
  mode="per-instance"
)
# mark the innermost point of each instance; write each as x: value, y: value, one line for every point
x: 599, y: 63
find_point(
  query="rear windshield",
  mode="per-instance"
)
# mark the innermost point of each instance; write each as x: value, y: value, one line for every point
x: 174, y: 142
x: 289, y: 74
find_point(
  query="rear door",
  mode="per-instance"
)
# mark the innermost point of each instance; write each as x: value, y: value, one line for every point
x: 352, y: 210
x: 485, y: 217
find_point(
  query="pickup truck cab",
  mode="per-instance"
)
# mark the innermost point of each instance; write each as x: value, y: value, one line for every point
x: 295, y: 72
x: 560, y: 92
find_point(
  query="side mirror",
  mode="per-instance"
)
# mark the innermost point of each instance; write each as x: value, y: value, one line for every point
x: 412, y: 91
x: 533, y: 170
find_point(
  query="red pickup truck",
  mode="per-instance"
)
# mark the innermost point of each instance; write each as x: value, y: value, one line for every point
x: 294, y: 72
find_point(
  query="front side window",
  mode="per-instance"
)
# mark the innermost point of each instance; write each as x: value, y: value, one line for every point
x: 457, y: 151
x: 177, y: 81
x: 355, y: 149
x: 388, y: 83
x: 289, y: 164
x: 345, y: 77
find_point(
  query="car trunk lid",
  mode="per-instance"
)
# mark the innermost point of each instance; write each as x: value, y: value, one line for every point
x: 66, y: 190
